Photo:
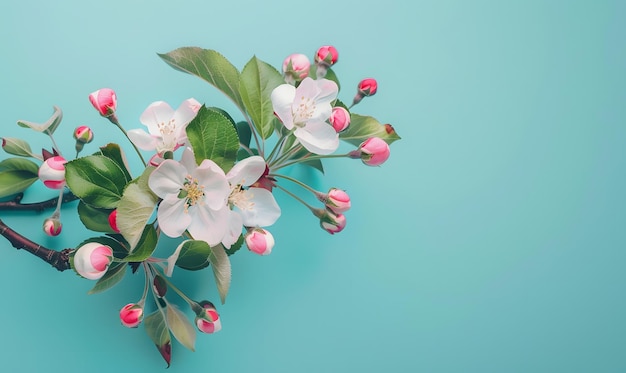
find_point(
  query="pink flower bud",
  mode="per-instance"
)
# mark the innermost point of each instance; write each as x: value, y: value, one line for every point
x: 104, y: 100
x: 83, y: 134
x: 330, y: 221
x: 339, y: 118
x: 131, y: 315
x: 208, y: 321
x: 52, y: 172
x: 338, y: 201
x: 260, y: 241
x: 326, y: 54
x: 296, y: 67
x: 113, y: 221
x: 368, y: 87
x: 52, y: 226
x: 374, y: 151
x: 92, y: 260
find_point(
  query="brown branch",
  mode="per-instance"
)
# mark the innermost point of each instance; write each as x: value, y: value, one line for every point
x: 57, y: 259
x: 16, y: 203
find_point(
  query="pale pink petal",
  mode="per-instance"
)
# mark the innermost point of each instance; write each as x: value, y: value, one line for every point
x: 183, y: 115
x: 143, y: 140
x: 173, y: 217
x: 318, y: 138
x: 208, y: 225
x: 265, y: 211
x: 212, y: 178
x: 156, y: 114
x: 168, y: 178
x: 235, y: 225
x: 282, y: 100
x: 247, y: 171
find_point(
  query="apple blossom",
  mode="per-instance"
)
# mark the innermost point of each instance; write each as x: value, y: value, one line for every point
x: 251, y: 206
x: 208, y: 320
x: 52, y: 226
x: 52, y: 172
x: 305, y: 110
x: 260, y: 241
x: 131, y: 315
x: 373, y: 151
x: 166, y: 127
x: 194, y: 198
x: 296, y: 67
x: 337, y: 200
x: 339, y: 118
x: 92, y: 260
x: 104, y: 100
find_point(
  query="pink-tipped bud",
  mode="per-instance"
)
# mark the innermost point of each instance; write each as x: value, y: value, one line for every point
x: 339, y: 118
x: 337, y: 200
x: 367, y: 87
x: 113, y: 221
x: 330, y: 221
x: 52, y: 172
x: 52, y: 226
x: 83, y: 134
x: 92, y: 260
x: 373, y: 151
x: 260, y: 241
x: 208, y: 320
x: 296, y: 67
x: 131, y: 315
x: 104, y: 100
x: 327, y: 55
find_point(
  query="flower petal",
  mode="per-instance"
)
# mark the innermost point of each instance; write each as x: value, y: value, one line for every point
x: 213, y: 180
x: 247, y: 171
x: 173, y: 217
x: 265, y: 212
x: 207, y: 224
x: 282, y: 101
x: 235, y: 224
x: 142, y: 139
x: 168, y: 178
x: 318, y: 137
x: 157, y: 113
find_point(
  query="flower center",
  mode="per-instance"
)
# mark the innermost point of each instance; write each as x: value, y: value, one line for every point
x: 241, y: 198
x: 167, y: 128
x: 303, y: 112
x: 192, y: 191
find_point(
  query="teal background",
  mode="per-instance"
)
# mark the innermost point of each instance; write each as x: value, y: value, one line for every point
x: 491, y: 241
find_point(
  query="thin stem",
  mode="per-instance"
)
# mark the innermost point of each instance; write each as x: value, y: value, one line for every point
x: 16, y: 203
x: 190, y: 301
x: 295, y: 181
x: 285, y: 156
x: 277, y: 148
x: 54, y: 144
x: 307, y: 158
x: 142, y: 301
x: 297, y: 198
x: 114, y: 120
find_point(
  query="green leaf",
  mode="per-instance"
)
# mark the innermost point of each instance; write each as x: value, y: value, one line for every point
x: 19, y: 147
x: 114, y: 274
x: 93, y: 218
x: 156, y: 328
x: 221, y: 270
x: 96, y: 180
x: 258, y: 80
x: 145, y: 247
x: 193, y: 255
x: 208, y: 65
x: 363, y: 127
x: 244, y: 133
x: 235, y: 247
x: 213, y: 136
x: 17, y: 175
x: 116, y: 154
x: 135, y: 208
x: 180, y: 326
x: 48, y: 126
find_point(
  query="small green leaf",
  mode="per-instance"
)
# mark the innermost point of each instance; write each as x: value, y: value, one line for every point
x: 156, y: 328
x: 19, y: 164
x: 258, y: 80
x: 116, y: 153
x: 235, y: 247
x: 96, y: 180
x: 145, y: 247
x: 213, y: 136
x: 48, y: 126
x: 180, y: 326
x: 135, y: 208
x: 114, y: 274
x: 94, y: 219
x: 19, y: 147
x: 244, y: 133
x: 15, y: 181
x: 208, y: 65
x: 193, y: 255
x: 363, y: 127
x: 221, y: 270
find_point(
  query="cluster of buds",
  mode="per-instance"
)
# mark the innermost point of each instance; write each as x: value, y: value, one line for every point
x: 336, y: 202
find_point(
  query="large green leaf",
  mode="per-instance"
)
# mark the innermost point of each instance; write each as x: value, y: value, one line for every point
x: 135, y: 208
x: 213, y: 136
x: 19, y: 164
x: 221, y: 270
x: 156, y: 328
x: 114, y: 274
x: 258, y: 80
x: 180, y: 326
x: 116, y: 154
x: 97, y: 180
x: 15, y: 181
x: 48, y: 126
x: 94, y: 219
x: 209, y: 65
x: 363, y: 127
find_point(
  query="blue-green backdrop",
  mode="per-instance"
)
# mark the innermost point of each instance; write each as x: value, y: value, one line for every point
x: 491, y: 241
